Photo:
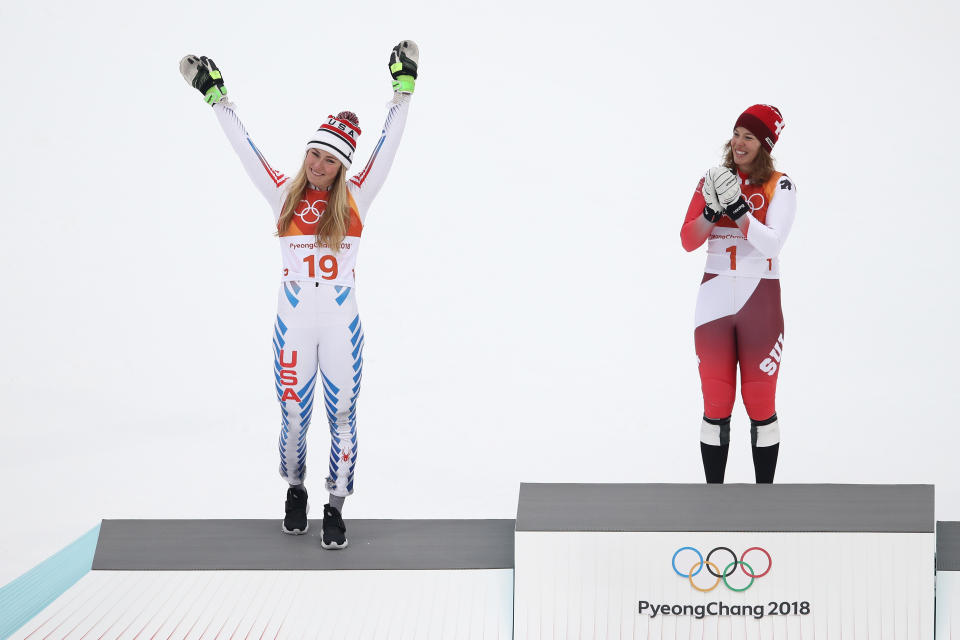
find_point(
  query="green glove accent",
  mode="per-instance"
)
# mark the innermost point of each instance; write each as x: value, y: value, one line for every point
x: 404, y: 84
x: 404, y: 59
x: 214, y: 94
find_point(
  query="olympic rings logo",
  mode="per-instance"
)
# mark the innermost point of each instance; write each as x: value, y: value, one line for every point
x: 714, y: 569
x: 756, y: 201
x: 307, y: 209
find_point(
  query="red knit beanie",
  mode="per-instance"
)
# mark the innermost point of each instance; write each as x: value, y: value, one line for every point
x: 763, y: 121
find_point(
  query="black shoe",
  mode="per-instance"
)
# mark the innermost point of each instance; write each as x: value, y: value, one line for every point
x: 334, y: 531
x: 295, y: 522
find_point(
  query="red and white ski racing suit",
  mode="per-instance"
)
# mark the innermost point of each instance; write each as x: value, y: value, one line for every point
x: 738, y: 314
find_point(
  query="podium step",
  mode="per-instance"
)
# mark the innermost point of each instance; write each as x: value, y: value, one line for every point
x: 728, y: 507
x: 724, y: 561
x: 165, y: 545
x: 192, y: 579
x: 580, y: 561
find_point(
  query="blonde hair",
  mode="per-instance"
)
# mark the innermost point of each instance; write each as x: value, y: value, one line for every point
x: 335, y: 219
x: 761, y: 169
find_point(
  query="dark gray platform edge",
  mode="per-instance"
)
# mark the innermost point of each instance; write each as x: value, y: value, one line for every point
x: 166, y: 545
x: 731, y: 507
x: 948, y: 546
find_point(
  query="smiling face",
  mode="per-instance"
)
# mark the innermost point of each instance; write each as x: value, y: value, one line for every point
x: 321, y: 168
x: 745, y: 147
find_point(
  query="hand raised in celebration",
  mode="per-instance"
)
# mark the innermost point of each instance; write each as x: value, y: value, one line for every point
x: 202, y: 74
x: 404, y: 60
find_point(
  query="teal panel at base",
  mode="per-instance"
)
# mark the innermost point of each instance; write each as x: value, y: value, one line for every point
x: 29, y: 594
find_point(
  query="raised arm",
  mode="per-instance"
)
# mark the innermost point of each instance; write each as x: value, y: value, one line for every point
x: 268, y: 180
x: 202, y: 73
x: 367, y: 183
x: 404, y: 60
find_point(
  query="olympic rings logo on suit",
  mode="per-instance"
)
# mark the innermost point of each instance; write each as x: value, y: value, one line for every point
x: 753, y: 205
x: 311, y: 209
x: 714, y: 570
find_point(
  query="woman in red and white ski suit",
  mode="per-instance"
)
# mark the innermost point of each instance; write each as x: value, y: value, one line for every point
x: 743, y: 210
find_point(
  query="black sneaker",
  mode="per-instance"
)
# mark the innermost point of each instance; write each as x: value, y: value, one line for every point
x: 334, y: 531
x: 295, y: 522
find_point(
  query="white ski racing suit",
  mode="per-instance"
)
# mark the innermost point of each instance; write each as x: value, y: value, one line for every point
x: 318, y: 337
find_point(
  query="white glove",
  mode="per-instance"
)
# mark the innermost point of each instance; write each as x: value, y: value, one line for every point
x: 725, y: 184
x: 709, y: 192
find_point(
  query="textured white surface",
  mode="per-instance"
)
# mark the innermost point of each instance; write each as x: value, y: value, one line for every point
x: 860, y: 586
x: 368, y: 605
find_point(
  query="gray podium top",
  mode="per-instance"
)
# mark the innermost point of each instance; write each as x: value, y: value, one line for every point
x: 948, y: 546
x: 729, y: 507
x: 166, y: 545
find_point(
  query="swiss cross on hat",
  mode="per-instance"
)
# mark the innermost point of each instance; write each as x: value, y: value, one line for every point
x: 763, y: 121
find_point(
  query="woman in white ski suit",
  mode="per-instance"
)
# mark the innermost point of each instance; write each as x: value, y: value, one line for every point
x: 317, y: 336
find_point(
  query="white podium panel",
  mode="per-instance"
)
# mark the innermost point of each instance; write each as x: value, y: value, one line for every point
x: 948, y: 604
x: 948, y: 579
x: 610, y: 561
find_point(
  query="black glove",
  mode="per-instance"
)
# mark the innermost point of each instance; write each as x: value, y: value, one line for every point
x: 712, y: 216
x: 202, y: 74
x: 737, y: 209
x: 404, y: 59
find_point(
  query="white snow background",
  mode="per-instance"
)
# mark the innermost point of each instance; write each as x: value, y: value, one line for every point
x: 527, y: 305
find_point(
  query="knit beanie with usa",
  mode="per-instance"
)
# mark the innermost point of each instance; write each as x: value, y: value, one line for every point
x: 338, y: 136
x: 763, y: 121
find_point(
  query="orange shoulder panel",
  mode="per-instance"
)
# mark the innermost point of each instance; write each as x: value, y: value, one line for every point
x: 770, y: 186
x: 355, y: 228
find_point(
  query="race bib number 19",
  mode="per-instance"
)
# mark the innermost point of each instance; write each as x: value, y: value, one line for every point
x: 327, y: 265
